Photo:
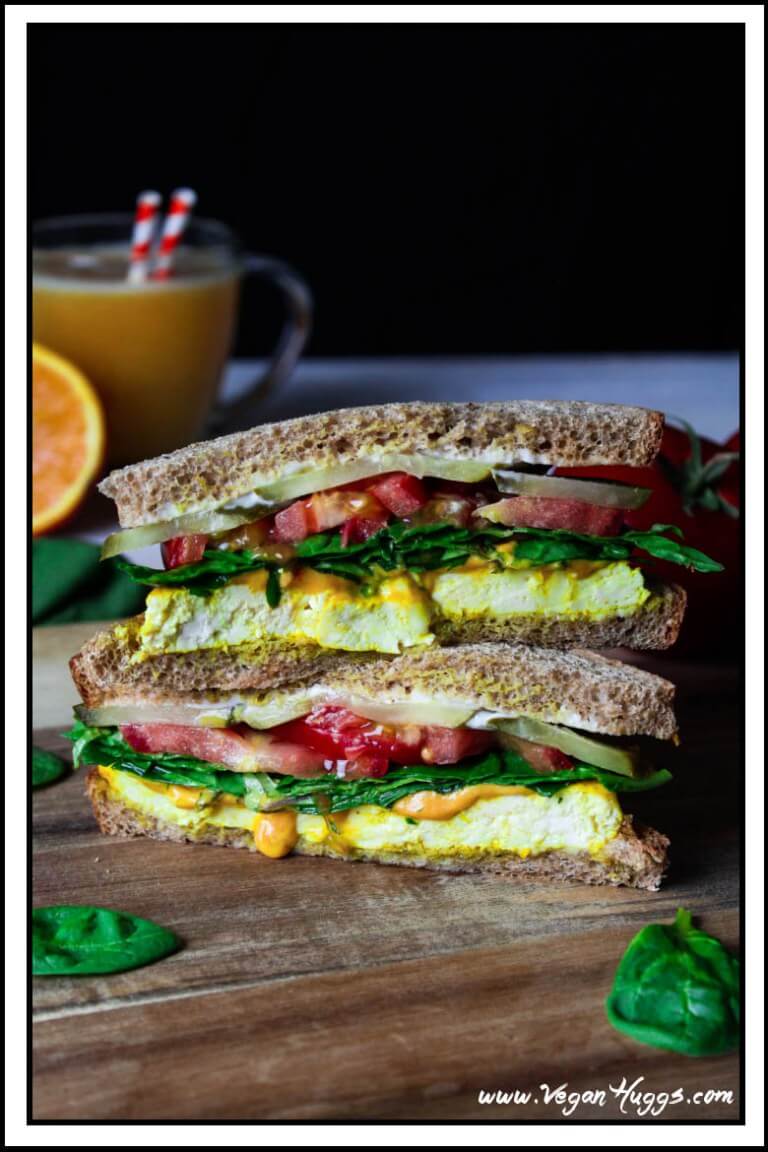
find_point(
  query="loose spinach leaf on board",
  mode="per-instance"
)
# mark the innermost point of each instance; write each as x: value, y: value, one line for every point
x: 333, y: 794
x: 677, y: 988
x: 46, y: 767
x: 79, y: 940
x: 421, y: 548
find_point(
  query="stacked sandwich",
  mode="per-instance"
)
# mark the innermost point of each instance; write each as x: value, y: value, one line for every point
x: 367, y: 642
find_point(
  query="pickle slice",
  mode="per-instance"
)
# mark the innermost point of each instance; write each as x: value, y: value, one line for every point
x: 623, y: 761
x: 416, y: 464
x: 605, y: 493
x: 205, y: 522
x: 274, y: 708
x: 269, y: 497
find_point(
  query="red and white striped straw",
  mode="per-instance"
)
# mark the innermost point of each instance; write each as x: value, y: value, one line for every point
x: 183, y: 201
x: 144, y: 227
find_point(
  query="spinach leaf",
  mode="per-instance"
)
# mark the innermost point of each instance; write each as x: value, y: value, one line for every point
x: 46, y: 767
x: 547, y: 545
x: 677, y: 988
x: 503, y: 767
x: 420, y: 548
x: 78, y: 940
x: 106, y: 746
x: 201, y: 578
x: 334, y: 794
x: 672, y: 550
x: 552, y: 549
x: 273, y: 588
x: 401, y: 546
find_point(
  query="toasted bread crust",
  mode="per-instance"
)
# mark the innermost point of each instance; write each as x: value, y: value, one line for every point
x: 105, y: 666
x: 636, y: 857
x: 596, y: 694
x: 206, y: 475
x: 656, y: 625
x: 575, y: 687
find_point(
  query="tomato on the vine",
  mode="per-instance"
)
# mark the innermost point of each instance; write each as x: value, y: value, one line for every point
x: 694, y: 484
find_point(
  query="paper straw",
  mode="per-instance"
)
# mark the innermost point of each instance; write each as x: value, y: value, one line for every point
x: 183, y: 201
x: 144, y: 226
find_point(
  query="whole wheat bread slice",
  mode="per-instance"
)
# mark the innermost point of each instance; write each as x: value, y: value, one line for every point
x: 636, y: 857
x: 581, y: 689
x: 205, y: 476
x: 106, y: 665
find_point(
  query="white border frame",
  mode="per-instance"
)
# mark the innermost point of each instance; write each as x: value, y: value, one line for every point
x: 18, y: 1134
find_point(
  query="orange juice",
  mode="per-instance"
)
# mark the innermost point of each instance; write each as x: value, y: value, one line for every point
x: 154, y: 350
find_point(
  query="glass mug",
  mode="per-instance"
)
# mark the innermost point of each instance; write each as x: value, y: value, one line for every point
x: 155, y: 350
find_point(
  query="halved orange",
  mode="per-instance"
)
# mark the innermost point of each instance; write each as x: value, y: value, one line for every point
x: 67, y: 438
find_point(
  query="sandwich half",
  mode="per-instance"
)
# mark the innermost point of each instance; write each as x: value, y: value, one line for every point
x: 391, y: 528
x: 485, y: 757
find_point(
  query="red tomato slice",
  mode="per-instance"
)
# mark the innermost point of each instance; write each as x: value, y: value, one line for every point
x: 340, y: 734
x: 540, y: 757
x: 357, y: 529
x: 326, y: 510
x: 238, y: 748
x: 183, y: 550
x: 401, y: 494
x: 292, y: 524
x: 329, y: 740
x: 450, y: 745
x: 215, y: 745
x: 335, y: 732
x: 571, y: 515
x: 369, y: 764
x: 271, y: 755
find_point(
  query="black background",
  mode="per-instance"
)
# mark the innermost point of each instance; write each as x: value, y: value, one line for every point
x: 445, y: 189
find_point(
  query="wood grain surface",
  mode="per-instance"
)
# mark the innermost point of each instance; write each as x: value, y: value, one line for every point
x: 312, y: 989
x: 53, y: 693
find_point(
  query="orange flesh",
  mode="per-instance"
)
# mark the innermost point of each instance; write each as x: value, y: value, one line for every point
x: 67, y: 439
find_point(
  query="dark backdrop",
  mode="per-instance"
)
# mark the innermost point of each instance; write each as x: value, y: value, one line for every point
x: 445, y: 189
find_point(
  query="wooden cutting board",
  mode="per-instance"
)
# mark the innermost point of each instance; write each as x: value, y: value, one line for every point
x: 310, y: 989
